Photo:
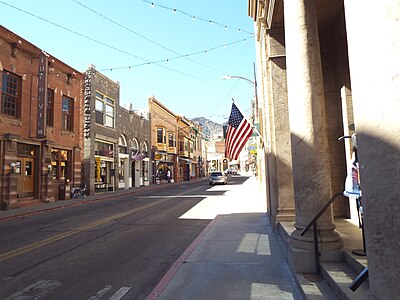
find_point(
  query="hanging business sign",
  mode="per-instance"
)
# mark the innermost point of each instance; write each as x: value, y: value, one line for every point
x: 256, y: 130
x: 42, y: 96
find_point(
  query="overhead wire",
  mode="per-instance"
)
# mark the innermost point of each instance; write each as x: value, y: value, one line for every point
x: 174, y: 58
x: 179, y: 55
x: 194, y: 17
x: 146, y: 61
x: 112, y: 47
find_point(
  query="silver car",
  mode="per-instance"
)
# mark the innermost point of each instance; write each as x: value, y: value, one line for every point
x: 217, y: 177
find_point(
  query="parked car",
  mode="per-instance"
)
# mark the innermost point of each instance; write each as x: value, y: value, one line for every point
x: 217, y: 177
x: 231, y: 171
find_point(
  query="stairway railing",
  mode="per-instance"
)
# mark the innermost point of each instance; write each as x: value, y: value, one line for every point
x: 313, y: 223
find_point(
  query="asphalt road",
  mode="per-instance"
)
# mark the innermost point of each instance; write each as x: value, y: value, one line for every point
x: 111, y: 249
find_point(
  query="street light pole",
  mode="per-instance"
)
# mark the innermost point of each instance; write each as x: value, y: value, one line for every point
x: 254, y: 83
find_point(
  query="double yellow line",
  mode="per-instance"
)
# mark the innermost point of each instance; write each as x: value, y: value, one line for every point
x: 68, y: 233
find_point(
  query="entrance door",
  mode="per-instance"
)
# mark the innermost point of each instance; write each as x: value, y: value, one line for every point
x: 26, y: 180
x: 133, y: 173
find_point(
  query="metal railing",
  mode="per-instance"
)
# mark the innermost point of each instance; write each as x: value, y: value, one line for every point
x: 359, y: 279
x: 313, y: 223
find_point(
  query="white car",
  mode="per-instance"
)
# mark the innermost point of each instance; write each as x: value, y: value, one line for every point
x: 217, y: 177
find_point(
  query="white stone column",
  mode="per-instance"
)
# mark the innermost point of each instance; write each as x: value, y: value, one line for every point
x: 311, y: 175
x: 374, y: 59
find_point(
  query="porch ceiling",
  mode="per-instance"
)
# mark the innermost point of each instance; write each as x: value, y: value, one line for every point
x: 327, y: 11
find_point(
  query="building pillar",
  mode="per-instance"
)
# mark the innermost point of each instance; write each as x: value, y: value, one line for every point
x: 374, y: 53
x: 311, y: 174
x: 282, y: 198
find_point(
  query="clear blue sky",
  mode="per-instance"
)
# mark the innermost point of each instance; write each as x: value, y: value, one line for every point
x: 116, y: 35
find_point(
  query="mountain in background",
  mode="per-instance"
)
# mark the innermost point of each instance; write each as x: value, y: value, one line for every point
x: 210, y: 128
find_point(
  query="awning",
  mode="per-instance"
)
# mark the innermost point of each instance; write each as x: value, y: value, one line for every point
x: 188, y: 160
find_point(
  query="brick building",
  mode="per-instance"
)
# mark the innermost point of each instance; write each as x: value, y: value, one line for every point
x: 176, y: 144
x: 40, y: 115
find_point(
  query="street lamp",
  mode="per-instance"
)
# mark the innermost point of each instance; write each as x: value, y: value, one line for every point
x: 254, y: 83
x: 239, y: 77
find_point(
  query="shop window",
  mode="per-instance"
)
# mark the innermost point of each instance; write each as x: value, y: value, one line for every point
x: 18, y: 167
x: 11, y: 94
x: 104, y: 110
x: 67, y: 110
x: 28, y: 168
x: 145, y: 170
x: 135, y: 144
x: 50, y: 108
x: 60, y: 162
x: 122, y: 145
x: 121, y: 170
x: 26, y: 150
x: 171, y: 140
x: 186, y: 145
x: 104, y: 149
x: 161, y: 138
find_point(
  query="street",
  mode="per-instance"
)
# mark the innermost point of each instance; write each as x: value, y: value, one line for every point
x: 118, y: 248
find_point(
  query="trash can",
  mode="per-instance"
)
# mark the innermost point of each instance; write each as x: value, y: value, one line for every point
x: 64, y: 192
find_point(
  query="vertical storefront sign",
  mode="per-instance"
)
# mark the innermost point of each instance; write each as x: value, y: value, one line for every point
x: 42, y: 96
x: 87, y: 100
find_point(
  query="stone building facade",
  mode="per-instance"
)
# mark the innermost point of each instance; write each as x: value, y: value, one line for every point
x: 328, y: 69
x: 134, y: 148
x: 41, y: 123
x: 116, y: 140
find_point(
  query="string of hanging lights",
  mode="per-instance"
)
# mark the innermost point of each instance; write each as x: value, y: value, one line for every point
x: 194, y: 17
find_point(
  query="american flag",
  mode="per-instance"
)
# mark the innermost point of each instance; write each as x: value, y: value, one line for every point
x: 238, y: 132
x: 138, y: 156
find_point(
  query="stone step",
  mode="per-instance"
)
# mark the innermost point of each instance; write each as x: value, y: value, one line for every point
x: 339, y: 276
x: 355, y: 262
x: 314, y: 287
x: 27, y: 202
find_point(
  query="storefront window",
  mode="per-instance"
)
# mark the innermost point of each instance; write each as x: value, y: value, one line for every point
x: 160, y: 135
x: 60, y: 162
x: 104, y: 110
x: 26, y: 150
x: 145, y: 170
x: 104, y: 149
x: 171, y: 140
x: 121, y: 170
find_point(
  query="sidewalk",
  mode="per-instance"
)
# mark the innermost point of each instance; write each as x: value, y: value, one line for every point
x: 237, y: 256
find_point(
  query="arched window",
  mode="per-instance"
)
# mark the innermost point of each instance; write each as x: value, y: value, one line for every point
x: 135, y: 144
x: 123, y: 147
x: 145, y: 147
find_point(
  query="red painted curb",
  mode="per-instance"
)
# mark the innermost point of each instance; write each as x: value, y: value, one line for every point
x: 160, y: 287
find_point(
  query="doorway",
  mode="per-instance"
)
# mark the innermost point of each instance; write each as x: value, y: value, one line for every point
x: 26, y: 177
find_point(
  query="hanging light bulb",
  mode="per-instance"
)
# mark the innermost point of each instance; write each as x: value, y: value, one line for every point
x: 152, y: 4
x: 174, y: 11
x: 194, y: 18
